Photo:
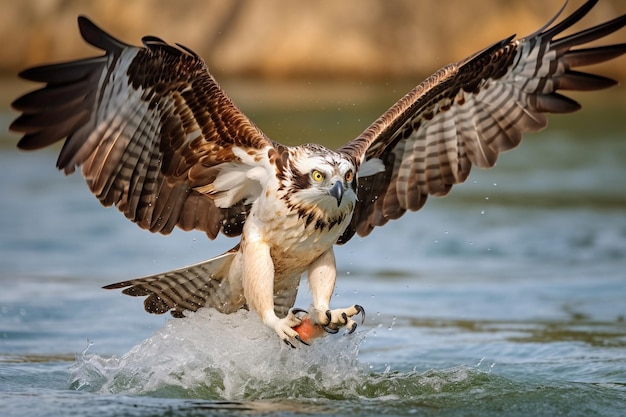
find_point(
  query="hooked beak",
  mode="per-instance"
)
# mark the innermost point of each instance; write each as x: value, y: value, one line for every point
x: 337, y: 191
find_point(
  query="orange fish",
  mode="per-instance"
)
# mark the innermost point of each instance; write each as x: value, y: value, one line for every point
x: 307, y: 330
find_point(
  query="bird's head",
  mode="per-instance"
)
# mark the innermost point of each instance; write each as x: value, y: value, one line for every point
x: 322, y: 177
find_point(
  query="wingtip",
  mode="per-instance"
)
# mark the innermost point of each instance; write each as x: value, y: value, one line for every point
x: 97, y: 37
x: 83, y: 21
x: 31, y: 74
x: 24, y: 144
x: 86, y: 27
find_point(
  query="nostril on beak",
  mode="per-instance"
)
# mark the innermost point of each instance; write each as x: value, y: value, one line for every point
x: 337, y: 191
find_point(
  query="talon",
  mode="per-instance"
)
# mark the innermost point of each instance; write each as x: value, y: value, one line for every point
x: 329, y: 330
x: 296, y: 310
x: 360, y: 310
x: 299, y: 339
x: 343, y: 318
x: 329, y: 316
x: 288, y: 343
x: 352, y: 329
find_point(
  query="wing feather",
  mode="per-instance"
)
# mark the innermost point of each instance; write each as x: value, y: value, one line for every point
x: 468, y: 113
x: 151, y: 130
x: 188, y: 288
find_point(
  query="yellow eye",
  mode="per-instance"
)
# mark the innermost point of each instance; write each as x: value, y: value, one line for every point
x: 317, y: 176
x: 349, y: 176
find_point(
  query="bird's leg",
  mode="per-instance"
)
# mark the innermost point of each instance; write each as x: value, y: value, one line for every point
x: 321, y: 276
x: 258, y: 289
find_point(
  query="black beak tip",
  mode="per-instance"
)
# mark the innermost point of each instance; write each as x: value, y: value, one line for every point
x: 337, y: 191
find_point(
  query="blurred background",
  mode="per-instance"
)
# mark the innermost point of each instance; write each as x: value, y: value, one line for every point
x: 278, y: 38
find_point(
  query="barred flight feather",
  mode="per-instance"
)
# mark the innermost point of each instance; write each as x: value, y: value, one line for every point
x: 467, y: 113
x: 139, y: 121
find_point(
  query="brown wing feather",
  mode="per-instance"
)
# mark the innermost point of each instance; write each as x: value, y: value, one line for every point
x: 150, y: 127
x: 467, y: 113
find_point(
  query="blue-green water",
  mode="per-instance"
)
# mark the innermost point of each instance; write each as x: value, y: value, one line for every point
x: 506, y: 298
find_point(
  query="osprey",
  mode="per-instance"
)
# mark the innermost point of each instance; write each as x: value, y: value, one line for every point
x: 158, y: 138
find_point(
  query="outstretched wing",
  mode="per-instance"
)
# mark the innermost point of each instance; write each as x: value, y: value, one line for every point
x: 154, y: 133
x: 467, y: 113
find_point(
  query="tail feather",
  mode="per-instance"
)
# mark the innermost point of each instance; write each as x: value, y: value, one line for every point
x: 201, y: 285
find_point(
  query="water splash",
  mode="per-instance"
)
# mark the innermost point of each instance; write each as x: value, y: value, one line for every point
x: 212, y: 355
x: 234, y: 357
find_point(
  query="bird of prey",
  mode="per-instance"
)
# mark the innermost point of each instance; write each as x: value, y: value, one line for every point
x: 158, y: 138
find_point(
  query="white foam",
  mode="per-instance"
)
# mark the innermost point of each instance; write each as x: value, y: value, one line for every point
x: 211, y: 355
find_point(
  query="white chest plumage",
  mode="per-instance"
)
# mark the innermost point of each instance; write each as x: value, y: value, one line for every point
x: 297, y: 234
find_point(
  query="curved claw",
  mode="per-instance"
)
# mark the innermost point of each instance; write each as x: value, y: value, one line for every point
x: 361, y: 311
x: 329, y: 330
x: 344, y: 320
x: 291, y: 345
x: 353, y: 328
x: 299, y: 339
x: 296, y: 310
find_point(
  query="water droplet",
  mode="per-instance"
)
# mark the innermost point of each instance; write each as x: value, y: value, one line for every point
x: 89, y: 344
